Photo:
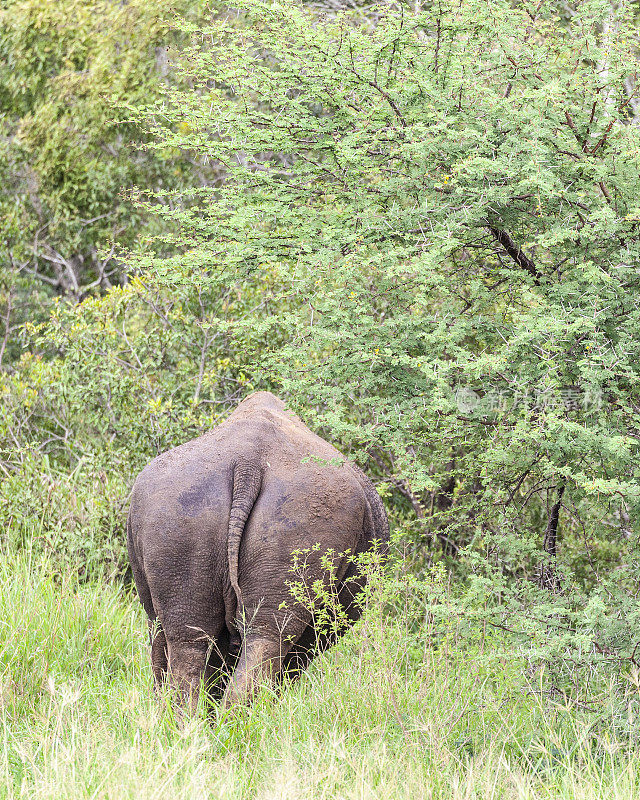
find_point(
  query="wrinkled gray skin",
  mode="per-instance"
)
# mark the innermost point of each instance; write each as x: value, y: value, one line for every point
x: 211, y: 531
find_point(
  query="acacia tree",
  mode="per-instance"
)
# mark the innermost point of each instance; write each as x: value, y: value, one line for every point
x: 441, y: 207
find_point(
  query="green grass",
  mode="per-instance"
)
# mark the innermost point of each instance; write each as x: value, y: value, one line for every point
x: 378, y: 716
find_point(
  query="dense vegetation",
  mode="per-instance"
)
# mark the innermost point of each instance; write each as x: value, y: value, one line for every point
x: 418, y: 224
x: 383, y: 715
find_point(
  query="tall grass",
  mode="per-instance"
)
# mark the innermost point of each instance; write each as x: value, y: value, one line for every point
x: 377, y: 716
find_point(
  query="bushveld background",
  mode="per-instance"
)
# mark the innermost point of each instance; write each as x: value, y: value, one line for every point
x: 419, y: 224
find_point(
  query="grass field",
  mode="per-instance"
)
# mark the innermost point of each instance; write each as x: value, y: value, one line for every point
x: 375, y: 717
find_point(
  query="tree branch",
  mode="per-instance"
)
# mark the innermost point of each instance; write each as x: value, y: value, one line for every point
x: 516, y: 253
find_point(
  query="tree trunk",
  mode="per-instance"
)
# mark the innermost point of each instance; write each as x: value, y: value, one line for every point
x: 548, y: 577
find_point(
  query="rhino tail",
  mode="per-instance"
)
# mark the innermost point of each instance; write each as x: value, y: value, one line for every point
x: 247, y: 480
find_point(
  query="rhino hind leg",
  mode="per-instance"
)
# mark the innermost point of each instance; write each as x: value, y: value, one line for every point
x: 187, y: 669
x: 260, y: 662
x: 196, y: 657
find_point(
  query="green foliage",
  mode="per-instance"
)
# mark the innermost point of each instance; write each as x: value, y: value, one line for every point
x: 66, y: 159
x: 68, y: 156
